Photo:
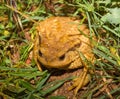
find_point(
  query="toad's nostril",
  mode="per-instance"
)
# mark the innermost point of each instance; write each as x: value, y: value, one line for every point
x: 62, y: 57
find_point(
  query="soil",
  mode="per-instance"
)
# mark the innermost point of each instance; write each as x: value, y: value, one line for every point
x: 63, y: 90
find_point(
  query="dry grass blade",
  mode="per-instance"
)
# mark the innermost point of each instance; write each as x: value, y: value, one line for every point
x: 25, y: 16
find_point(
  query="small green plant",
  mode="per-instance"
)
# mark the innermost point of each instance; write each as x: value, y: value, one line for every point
x: 24, y: 83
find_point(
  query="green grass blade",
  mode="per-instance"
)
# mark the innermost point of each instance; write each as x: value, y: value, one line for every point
x: 54, y: 85
x: 27, y: 85
x: 57, y: 97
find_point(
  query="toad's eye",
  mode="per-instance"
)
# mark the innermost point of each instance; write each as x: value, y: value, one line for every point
x: 62, y: 57
x: 77, y: 45
x: 40, y: 53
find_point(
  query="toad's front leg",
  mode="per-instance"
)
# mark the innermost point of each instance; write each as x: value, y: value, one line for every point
x: 36, y: 51
x: 81, y: 81
x: 84, y: 77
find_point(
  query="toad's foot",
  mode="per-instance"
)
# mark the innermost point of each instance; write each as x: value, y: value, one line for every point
x: 81, y: 81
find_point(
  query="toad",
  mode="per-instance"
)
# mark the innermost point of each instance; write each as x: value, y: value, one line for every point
x: 63, y: 43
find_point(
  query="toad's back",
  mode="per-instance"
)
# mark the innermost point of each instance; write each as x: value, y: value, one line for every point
x: 59, y: 41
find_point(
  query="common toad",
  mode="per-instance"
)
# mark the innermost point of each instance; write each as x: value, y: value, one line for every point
x: 59, y: 43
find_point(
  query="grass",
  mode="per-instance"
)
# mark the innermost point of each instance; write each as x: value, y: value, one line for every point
x: 16, y: 41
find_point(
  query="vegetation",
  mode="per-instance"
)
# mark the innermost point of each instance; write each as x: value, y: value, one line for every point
x: 19, y: 76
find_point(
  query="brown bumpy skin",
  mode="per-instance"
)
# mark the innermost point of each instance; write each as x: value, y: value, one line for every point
x: 59, y: 42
